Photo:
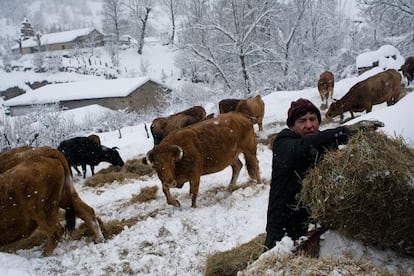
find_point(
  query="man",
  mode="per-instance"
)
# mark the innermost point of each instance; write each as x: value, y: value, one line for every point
x: 295, y: 150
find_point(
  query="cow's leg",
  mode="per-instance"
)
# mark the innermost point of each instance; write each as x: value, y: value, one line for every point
x: 260, y: 123
x: 92, y: 169
x: 170, y: 199
x: 84, y: 170
x: 194, y: 187
x: 48, y: 220
x: 76, y: 169
x: 54, y: 232
x: 236, y: 166
x: 252, y: 166
x: 87, y: 214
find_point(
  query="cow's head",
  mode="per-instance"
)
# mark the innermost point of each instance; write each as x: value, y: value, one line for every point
x: 163, y: 159
x: 157, y: 129
x: 112, y: 156
x: 336, y: 108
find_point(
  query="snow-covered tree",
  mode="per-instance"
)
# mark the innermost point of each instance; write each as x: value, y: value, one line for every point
x: 140, y: 11
x: 264, y: 45
x: 113, y: 13
x: 393, y: 22
x: 171, y: 7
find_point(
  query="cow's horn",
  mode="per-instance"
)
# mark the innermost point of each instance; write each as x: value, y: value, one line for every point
x: 115, y: 148
x: 180, y: 151
x: 148, y: 160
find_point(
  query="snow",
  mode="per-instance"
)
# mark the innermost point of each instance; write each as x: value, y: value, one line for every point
x: 384, y: 56
x: 177, y: 241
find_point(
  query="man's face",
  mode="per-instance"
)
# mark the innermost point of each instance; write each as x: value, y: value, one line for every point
x: 306, y: 125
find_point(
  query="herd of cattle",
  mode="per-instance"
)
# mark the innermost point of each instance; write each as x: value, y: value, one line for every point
x: 36, y: 182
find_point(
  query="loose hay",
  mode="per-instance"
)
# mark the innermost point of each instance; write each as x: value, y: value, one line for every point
x: 365, y: 190
x: 133, y: 169
x: 236, y: 259
x: 286, y: 264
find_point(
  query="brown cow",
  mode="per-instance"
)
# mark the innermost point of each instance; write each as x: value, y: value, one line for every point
x: 204, y: 148
x: 254, y: 108
x: 95, y: 138
x: 228, y: 105
x: 408, y: 69
x: 162, y: 126
x: 326, y: 86
x: 34, y: 184
x: 382, y: 87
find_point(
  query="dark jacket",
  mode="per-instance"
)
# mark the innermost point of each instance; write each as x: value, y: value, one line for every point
x: 293, y: 156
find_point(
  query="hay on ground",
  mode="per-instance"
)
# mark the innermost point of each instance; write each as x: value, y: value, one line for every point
x: 275, y: 263
x: 365, y: 191
x: 132, y: 169
x: 231, y: 261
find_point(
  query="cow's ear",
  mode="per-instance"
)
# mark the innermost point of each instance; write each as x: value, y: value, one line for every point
x: 177, y: 152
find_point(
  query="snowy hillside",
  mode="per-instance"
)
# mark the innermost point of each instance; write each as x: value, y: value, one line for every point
x: 177, y: 241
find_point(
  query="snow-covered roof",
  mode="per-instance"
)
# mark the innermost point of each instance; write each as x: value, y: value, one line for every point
x: 53, y: 38
x: 81, y: 90
x: 384, y: 54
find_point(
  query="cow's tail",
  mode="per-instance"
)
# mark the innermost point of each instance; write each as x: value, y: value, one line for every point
x: 66, y: 199
x: 76, y: 207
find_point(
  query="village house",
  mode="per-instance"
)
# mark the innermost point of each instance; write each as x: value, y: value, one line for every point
x: 80, y: 38
x: 130, y: 94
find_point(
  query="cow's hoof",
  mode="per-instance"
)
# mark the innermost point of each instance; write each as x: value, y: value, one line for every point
x: 175, y: 203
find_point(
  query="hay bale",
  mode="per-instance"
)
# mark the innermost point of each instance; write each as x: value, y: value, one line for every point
x: 236, y: 259
x: 365, y: 191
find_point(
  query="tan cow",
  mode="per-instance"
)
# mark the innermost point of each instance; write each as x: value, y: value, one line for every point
x: 326, y: 86
x: 254, y: 108
x: 34, y: 184
x: 204, y: 148
x: 162, y: 126
x: 382, y: 87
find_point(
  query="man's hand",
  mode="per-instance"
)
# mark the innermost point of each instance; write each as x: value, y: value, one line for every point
x: 365, y: 125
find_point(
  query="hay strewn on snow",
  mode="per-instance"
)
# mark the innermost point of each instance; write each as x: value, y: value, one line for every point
x: 276, y: 263
x: 365, y: 190
x: 133, y: 169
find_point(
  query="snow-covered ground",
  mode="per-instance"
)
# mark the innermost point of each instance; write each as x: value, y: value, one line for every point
x: 177, y: 241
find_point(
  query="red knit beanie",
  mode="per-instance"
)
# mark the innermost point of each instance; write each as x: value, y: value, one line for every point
x: 299, y: 108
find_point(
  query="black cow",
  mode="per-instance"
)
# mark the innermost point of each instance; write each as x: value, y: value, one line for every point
x: 83, y: 151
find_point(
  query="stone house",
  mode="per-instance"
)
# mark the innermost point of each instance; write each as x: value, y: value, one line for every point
x: 81, y: 38
x: 130, y: 94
